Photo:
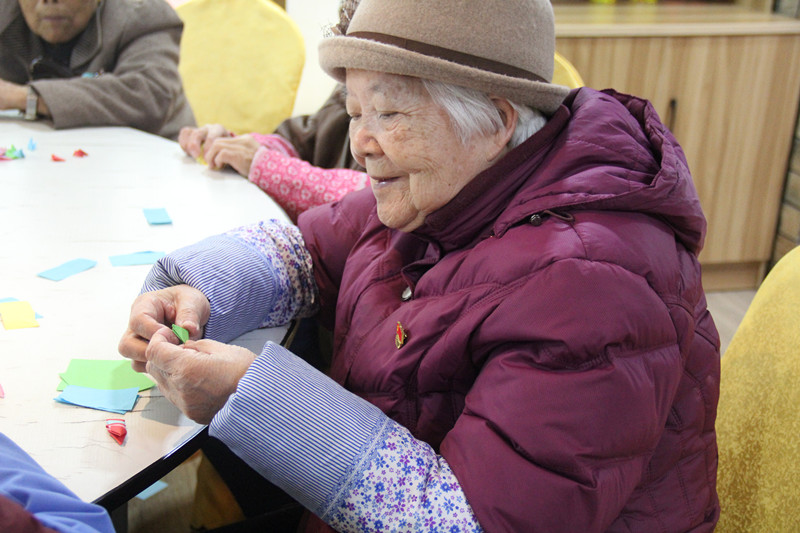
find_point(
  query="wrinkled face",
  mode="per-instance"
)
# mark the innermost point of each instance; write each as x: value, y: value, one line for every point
x: 414, y: 159
x: 57, y: 21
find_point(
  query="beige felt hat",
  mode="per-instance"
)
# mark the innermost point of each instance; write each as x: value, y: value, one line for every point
x: 501, y: 47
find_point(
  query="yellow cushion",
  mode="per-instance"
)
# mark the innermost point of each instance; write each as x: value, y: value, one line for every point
x: 565, y: 73
x: 241, y: 62
x: 758, y: 420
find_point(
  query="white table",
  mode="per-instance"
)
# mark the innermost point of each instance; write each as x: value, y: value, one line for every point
x: 92, y: 207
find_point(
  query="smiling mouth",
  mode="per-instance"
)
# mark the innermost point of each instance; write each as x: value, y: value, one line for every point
x: 383, y: 181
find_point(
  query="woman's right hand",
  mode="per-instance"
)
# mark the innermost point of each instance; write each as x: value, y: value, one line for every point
x: 192, y: 140
x: 182, y: 305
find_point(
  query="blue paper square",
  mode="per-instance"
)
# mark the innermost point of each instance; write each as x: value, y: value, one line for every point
x: 116, y: 401
x: 67, y: 269
x: 157, y: 216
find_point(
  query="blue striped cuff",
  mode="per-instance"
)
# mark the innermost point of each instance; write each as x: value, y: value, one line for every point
x: 239, y: 283
x: 299, y: 428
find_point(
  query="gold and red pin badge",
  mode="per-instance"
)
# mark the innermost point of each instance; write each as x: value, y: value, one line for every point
x: 400, y: 336
x: 116, y: 428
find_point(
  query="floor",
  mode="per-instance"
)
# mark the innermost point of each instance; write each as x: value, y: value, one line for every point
x: 170, y: 510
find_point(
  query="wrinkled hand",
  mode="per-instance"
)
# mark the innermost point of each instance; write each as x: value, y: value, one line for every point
x: 238, y: 152
x: 192, y: 139
x: 199, y: 376
x: 151, y: 311
x: 12, y: 96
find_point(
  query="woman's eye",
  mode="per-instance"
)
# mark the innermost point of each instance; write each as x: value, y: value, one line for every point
x: 389, y: 114
x: 354, y: 117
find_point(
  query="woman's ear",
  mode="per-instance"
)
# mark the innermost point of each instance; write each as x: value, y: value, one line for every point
x: 509, y: 117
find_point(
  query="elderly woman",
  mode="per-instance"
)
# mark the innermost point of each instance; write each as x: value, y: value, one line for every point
x: 94, y: 63
x: 521, y: 339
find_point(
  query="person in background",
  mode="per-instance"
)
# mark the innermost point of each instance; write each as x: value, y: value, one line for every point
x: 33, y: 501
x: 306, y: 162
x: 94, y: 63
x: 521, y: 337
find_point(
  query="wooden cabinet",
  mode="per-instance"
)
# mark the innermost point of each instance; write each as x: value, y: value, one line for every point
x: 726, y: 81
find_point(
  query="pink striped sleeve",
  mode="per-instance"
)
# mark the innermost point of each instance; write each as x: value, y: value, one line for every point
x: 297, y: 185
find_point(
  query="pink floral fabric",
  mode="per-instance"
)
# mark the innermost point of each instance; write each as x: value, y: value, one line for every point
x: 296, y: 184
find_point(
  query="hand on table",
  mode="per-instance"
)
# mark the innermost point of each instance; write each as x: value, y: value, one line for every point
x: 219, y: 147
x: 12, y: 95
x: 182, y: 305
x: 238, y: 152
x: 197, y: 377
x: 192, y: 139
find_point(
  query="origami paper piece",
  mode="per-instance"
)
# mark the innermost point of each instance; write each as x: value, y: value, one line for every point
x: 54, y: 157
x: 104, y: 374
x: 115, y: 401
x: 38, y: 316
x: 137, y: 258
x: 2, y: 392
x: 15, y: 153
x: 155, y: 488
x: 11, y: 153
x: 157, y: 216
x: 79, y: 153
x: 16, y: 315
x: 31, y: 144
x: 180, y: 332
x: 116, y: 428
x: 68, y: 269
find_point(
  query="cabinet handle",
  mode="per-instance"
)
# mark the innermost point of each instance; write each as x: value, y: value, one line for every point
x: 672, y: 112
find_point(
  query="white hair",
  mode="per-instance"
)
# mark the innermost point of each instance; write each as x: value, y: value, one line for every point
x: 472, y: 113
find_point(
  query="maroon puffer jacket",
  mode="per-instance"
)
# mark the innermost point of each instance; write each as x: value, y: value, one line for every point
x: 559, y: 353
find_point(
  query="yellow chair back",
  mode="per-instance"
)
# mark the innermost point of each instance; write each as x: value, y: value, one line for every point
x: 758, y: 419
x: 241, y: 62
x: 565, y: 73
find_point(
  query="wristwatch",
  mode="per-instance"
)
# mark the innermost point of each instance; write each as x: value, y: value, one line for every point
x: 31, y: 102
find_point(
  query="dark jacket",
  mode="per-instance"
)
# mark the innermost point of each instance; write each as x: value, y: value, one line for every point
x: 558, y: 351
x: 323, y: 138
x: 132, y: 44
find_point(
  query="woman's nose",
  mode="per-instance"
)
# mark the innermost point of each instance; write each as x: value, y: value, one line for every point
x: 363, y: 142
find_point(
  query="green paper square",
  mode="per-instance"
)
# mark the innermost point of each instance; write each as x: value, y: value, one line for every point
x: 104, y: 374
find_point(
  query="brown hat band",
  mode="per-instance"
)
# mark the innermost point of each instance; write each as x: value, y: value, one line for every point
x: 461, y: 58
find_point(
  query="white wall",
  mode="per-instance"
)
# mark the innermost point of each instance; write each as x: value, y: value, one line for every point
x: 312, y: 16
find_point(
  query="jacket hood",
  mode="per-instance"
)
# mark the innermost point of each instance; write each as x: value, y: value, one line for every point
x: 600, y: 151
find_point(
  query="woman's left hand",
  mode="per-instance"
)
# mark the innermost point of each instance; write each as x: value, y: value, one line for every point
x: 199, y: 376
x: 237, y: 152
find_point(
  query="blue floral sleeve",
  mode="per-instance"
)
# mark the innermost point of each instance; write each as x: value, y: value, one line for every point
x: 336, y: 453
x: 254, y: 276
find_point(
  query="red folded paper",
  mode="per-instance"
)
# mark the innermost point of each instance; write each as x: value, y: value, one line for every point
x: 116, y: 427
x: 54, y: 157
x: 79, y: 153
